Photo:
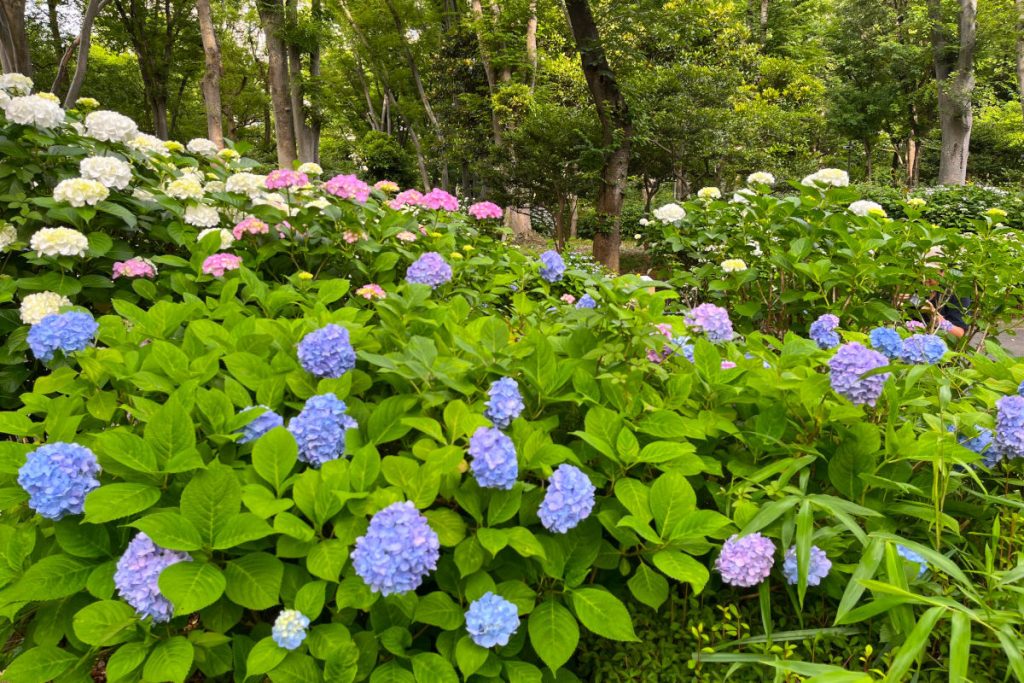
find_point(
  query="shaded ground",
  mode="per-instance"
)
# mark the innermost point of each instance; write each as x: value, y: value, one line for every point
x: 1013, y: 343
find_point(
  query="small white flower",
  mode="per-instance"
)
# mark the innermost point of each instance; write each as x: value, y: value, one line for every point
x: 185, y: 187
x: 864, y: 207
x: 80, y: 191
x: 827, y: 176
x: 760, y: 178
x: 412, y: 35
x: 309, y: 168
x: 319, y: 203
x: 734, y: 265
x: 709, y: 193
x: 109, y: 126
x: 147, y: 144
x: 202, y: 216
x: 59, y: 242
x: 110, y: 171
x: 742, y: 196
x: 644, y: 222
x: 143, y: 195
x: 8, y: 235
x: 246, y: 183
x: 214, y: 186
x: 670, y: 213
x: 16, y: 84
x: 35, y: 307
x: 33, y: 110
x: 226, y: 238
x: 638, y: 237
x: 207, y: 148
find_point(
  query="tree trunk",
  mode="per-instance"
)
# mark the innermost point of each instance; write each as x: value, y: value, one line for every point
x: 954, y: 79
x: 314, y: 75
x: 303, y: 138
x: 271, y: 15
x: 211, y: 78
x: 15, y: 55
x: 158, y: 105
x: 84, y: 41
x: 616, y: 131
x: 913, y: 150
x: 763, y: 20
x: 531, y: 43
x: 1020, y: 51
x: 485, y: 59
x: 57, y: 43
x: 869, y: 152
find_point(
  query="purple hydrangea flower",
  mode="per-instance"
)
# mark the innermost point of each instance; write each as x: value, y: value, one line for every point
x: 261, y: 425
x: 911, y: 556
x: 1020, y: 388
x: 320, y: 428
x: 923, y: 348
x: 914, y: 325
x: 983, y: 445
x: 398, y: 551
x: 586, y: 301
x: 57, y: 478
x: 888, y: 341
x: 494, y: 459
x: 944, y: 325
x: 429, y: 269
x: 848, y: 365
x: 1009, y: 439
x: 327, y: 352
x: 552, y: 266
x: 746, y: 561
x: 290, y: 629
x: 712, y: 320
x: 68, y: 332
x: 137, y: 574
x: 816, y: 571
x: 491, y: 620
x: 823, y: 331
x: 505, y: 403
x: 568, y: 500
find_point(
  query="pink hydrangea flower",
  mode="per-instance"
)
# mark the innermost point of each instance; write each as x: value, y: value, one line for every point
x: 371, y: 291
x: 665, y: 329
x: 386, y: 186
x: 350, y: 237
x: 406, y: 198
x: 135, y: 267
x: 568, y: 298
x: 284, y: 178
x: 438, y: 199
x: 406, y: 236
x: 348, y: 187
x: 250, y: 226
x: 483, y: 210
x: 728, y: 365
x: 218, y: 264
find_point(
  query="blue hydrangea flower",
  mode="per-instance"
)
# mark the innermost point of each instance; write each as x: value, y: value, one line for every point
x: 1020, y: 389
x: 320, y: 428
x: 491, y: 620
x: 888, y: 341
x: 552, y: 266
x: 68, y: 332
x: 983, y: 445
x: 823, y: 331
x: 505, y: 403
x: 848, y: 365
x: 494, y: 459
x: 327, y: 352
x: 429, y: 269
x: 57, y: 478
x: 568, y: 500
x: 746, y: 561
x: 712, y: 320
x: 911, y: 556
x: 816, y: 571
x: 1009, y: 439
x: 923, y: 348
x: 137, y: 574
x: 261, y: 425
x: 586, y: 301
x: 398, y: 551
x: 290, y: 629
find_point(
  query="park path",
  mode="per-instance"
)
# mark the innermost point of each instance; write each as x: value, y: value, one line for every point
x: 1013, y: 343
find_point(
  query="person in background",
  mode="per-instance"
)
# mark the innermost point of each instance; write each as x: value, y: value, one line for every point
x: 948, y: 316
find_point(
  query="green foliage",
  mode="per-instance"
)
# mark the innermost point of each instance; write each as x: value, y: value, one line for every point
x: 382, y: 157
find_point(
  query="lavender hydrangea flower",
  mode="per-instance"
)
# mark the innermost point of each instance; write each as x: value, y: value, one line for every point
x: 494, y: 459
x: 1009, y: 439
x: 816, y: 571
x: 746, y: 561
x: 568, y: 500
x: 68, y: 332
x: 923, y: 348
x: 290, y: 629
x: 712, y: 320
x: 320, y: 428
x: 848, y: 365
x: 823, y: 331
x: 911, y: 556
x: 586, y: 301
x: 327, y: 352
x: 491, y: 620
x: 983, y: 445
x: 1020, y: 388
x: 888, y: 341
x: 505, y: 403
x: 552, y: 266
x: 57, y: 478
x: 261, y: 425
x: 398, y: 551
x: 429, y: 269
x: 137, y: 574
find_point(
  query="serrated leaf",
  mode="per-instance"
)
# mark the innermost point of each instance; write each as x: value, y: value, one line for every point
x: 191, y: 586
x: 554, y: 634
x: 604, y: 614
x: 114, y: 501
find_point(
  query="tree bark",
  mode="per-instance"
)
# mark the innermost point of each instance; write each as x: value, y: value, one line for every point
x: 303, y: 137
x: 485, y: 59
x: 15, y: 55
x: 869, y: 153
x: 954, y: 79
x: 531, y: 43
x: 56, y: 42
x: 616, y: 131
x: 913, y: 149
x: 315, y: 119
x: 84, y: 40
x: 211, y: 77
x: 271, y: 15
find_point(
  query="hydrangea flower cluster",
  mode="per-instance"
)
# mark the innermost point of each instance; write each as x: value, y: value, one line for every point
x: 398, y: 551
x: 348, y: 187
x: 746, y: 561
x: 283, y: 178
x: 429, y: 269
x: 406, y: 198
x: 494, y: 459
x: 250, y: 184
x: 57, y: 477
x: 79, y: 192
x: 290, y: 629
x: 33, y: 110
x: 59, y: 242
x: 865, y: 207
x: 202, y: 216
x: 249, y: 226
x: 1009, y: 439
x: 568, y: 500
x: 827, y: 177
x: 35, y: 307
x: 111, y: 171
x: 888, y: 341
x: 760, y: 178
x: 712, y: 320
x: 327, y: 352
x: 226, y: 238
x: 670, y: 213
x: 261, y: 425
x: 439, y: 200
x: 911, y: 556
x: 147, y: 144
x: 186, y: 187
x: 823, y: 331
x: 586, y: 301
x: 734, y: 265
x: 310, y: 168
x: 915, y: 325
x: 709, y: 193
x: 923, y: 348
x: 406, y: 236
x: 983, y: 445
x: 109, y: 126
x: 491, y: 620
x: 848, y: 365
x: 386, y: 186
x: 18, y: 84
x: 817, y: 570
x: 371, y: 291
x: 137, y: 574
x: 8, y: 235
x: 220, y: 263
x: 202, y: 146
x: 552, y: 266
x: 319, y: 429
x: 504, y: 403
x: 68, y: 332
x: 484, y: 210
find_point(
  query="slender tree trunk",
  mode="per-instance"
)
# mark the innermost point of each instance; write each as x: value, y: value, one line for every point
x: 913, y: 149
x: 763, y: 20
x: 869, y: 152
x: 84, y: 40
x: 531, y: 43
x: 271, y: 15
x: 954, y: 79
x: 57, y: 43
x: 211, y: 77
x: 303, y: 137
x: 1020, y: 51
x: 15, y: 55
x: 616, y: 131
x: 485, y: 59
x: 314, y: 75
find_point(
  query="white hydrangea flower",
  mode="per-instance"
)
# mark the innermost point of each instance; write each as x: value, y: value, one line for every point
x: 916, y: 202
x: 15, y: 83
x: 709, y: 193
x: 8, y: 235
x: 670, y: 213
x: 109, y: 126
x: 226, y: 238
x: 412, y: 35
x: 80, y: 191
x: 143, y: 195
x: 59, y: 242
x: 865, y: 207
x: 742, y: 196
x: 202, y: 216
x: 110, y: 171
x: 250, y: 184
x: 214, y: 186
x: 310, y: 168
x: 275, y: 200
x: 87, y: 103
x: 228, y: 154
x: 760, y: 178
x: 734, y: 265
x: 185, y: 187
x: 827, y: 176
x: 319, y: 203
x: 35, y: 307
x: 203, y: 146
x: 173, y: 146
x: 4, y: 99
x: 33, y: 110
x: 147, y: 144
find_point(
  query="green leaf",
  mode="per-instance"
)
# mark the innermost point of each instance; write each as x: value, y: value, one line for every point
x: 438, y: 609
x: 39, y: 665
x: 554, y: 634
x: 114, y: 501
x: 326, y: 559
x: 430, y: 667
x: 391, y: 672
x: 191, y: 586
x: 52, y: 578
x: 682, y: 567
x: 274, y: 456
x: 913, y: 646
x: 604, y: 614
x: 210, y: 499
x: 649, y: 587
x: 385, y: 423
x: 104, y: 623
x: 170, y: 660
x: 263, y: 657
x: 448, y: 524
x: 125, y: 661
x: 635, y: 497
x: 671, y: 498
x: 169, y: 529
x: 310, y: 599
x: 960, y: 648
x: 254, y: 580
x: 170, y: 431
x: 469, y: 656
x: 239, y: 529
x: 82, y: 540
